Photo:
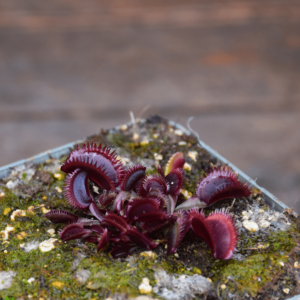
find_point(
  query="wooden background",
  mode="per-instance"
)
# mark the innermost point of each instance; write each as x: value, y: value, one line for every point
x: 70, y: 67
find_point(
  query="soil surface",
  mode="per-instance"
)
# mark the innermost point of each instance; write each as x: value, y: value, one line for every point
x: 265, y: 264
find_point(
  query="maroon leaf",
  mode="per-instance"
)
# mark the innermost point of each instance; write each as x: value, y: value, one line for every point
x: 61, y: 216
x: 120, y: 251
x: 140, y: 239
x: 217, y: 230
x: 176, y: 161
x: 176, y: 234
x: 139, y: 206
x: 95, y: 211
x: 175, y: 181
x: 160, y: 171
x: 74, y: 231
x: 97, y: 228
x: 76, y: 189
x: 106, y: 199
x: 115, y: 221
x: 99, y: 163
x: 104, y: 240
x: 220, y: 184
x: 191, y: 203
x: 132, y: 177
x: 155, y: 182
x: 119, y: 201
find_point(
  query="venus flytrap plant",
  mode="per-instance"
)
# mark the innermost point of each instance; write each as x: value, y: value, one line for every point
x: 134, y: 209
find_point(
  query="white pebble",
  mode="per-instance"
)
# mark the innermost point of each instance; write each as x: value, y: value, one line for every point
x: 155, y: 135
x: 286, y: 290
x: 124, y: 127
x: 30, y: 280
x: 51, y: 231
x: 17, y: 213
x: 48, y: 245
x: 158, y: 156
x: 182, y: 143
x: 264, y: 224
x: 135, y: 136
x: 6, y: 231
x: 12, y: 184
x: 193, y: 155
x: 223, y: 286
x: 250, y: 226
x: 145, y: 286
x: 33, y: 245
x: 187, y: 167
x: 178, y: 132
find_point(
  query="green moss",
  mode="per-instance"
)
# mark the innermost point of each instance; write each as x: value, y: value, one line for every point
x: 258, y: 268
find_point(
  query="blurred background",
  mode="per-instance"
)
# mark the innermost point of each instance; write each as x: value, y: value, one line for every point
x: 70, y: 67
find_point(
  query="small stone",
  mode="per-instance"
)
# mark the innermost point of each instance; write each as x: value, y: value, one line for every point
x: 124, y: 127
x: 149, y: 254
x: 58, y: 189
x: 2, y: 194
x: 286, y: 290
x: 58, y: 284
x: 21, y: 235
x: 51, y: 231
x: 186, y: 193
x: 144, y: 142
x: 264, y: 224
x: 244, y: 213
x: 182, y: 143
x: 57, y: 176
x: 6, y: 279
x: 33, y: 245
x: 30, y: 280
x: 6, y: 211
x: 223, y: 286
x: 17, y: 213
x: 6, y: 231
x: 145, y: 286
x: 155, y: 135
x: 209, y: 279
x: 82, y: 275
x: 193, y: 155
x: 31, y: 210
x: 93, y: 285
x: 45, y: 210
x: 250, y: 226
x: 187, y: 166
x: 261, y: 211
x: 178, y: 132
x: 250, y: 212
x: 135, y: 136
x: 281, y: 263
x: 48, y: 245
x: 5, y: 251
x: 12, y: 184
x: 296, y: 265
x: 44, y: 197
x: 245, y: 217
x: 176, y: 255
x: 157, y: 156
